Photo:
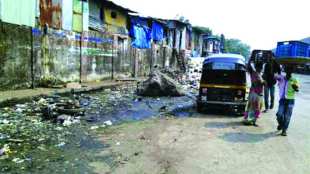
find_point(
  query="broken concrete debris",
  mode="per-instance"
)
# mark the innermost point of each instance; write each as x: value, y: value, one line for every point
x: 159, y: 84
x: 62, y: 110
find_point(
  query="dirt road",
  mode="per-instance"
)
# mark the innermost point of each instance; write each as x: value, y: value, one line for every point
x: 172, y: 139
x: 207, y: 143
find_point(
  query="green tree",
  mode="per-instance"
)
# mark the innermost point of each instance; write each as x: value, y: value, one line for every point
x: 202, y: 30
x: 237, y: 46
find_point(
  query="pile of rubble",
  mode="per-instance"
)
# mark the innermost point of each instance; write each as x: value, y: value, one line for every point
x: 160, y: 84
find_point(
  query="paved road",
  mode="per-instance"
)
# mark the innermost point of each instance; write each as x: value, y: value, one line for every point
x: 214, y: 144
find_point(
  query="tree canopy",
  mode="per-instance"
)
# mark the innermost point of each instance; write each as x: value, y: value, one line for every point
x: 237, y: 46
x: 202, y: 30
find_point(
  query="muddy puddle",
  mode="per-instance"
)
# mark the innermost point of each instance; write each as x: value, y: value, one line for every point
x: 31, y: 143
x: 138, y: 108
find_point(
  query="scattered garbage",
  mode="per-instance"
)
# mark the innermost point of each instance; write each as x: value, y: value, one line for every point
x: 67, y: 122
x: 61, y: 144
x: 94, y: 127
x: 5, y: 150
x: 19, y: 110
x: 107, y: 90
x: 139, y: 99
x: 56, y: 108
x: 163, y: 109
x: 18, y: 160
x: 3, y: 136
x: 48, y: 121
x: 108, y: 123
x: 137, y: 153
x: 4, y: 121
x: 142, y: 137
x: 2, y: 152
x: 62, y: 118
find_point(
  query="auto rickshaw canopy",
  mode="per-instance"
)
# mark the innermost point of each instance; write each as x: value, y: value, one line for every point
x: 227, y: 58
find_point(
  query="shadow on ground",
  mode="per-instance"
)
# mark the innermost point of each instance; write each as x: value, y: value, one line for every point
x: 243, y: 137
x: 223, y: 125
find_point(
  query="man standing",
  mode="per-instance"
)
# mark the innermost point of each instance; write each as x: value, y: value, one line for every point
x: 288, y: 85
x: 268, y: 75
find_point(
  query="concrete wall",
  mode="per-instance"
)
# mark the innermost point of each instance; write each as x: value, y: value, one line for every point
x: 97, y: 57
x: 15, y: 59
x: 64, y: 56
x: 56, y: 55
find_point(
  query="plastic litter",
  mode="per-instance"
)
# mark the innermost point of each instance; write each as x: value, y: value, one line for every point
x: 108, y: 123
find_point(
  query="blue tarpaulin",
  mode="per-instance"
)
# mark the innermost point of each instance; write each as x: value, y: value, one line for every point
x: 140, y: 33
x: 135, y: 20
x: 157, y: 32
x: 141, y: 36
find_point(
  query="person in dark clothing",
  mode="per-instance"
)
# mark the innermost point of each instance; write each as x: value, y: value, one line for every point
x: 271, y: 67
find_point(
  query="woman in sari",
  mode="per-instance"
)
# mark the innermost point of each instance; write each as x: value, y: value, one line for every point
x: 255, y: 100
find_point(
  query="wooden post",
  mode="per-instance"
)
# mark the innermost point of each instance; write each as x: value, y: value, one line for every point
x: 81, y: 42
x: 136, y: 62
x: 32, y: 59
x: 81, y: 57
x: 112, y: 61
x: 152, y: 57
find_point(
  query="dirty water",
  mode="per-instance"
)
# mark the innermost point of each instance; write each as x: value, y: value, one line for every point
x: 32, y: 144
x: 136, y: 108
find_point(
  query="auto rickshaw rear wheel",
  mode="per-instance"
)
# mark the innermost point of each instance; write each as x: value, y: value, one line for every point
x: 240, y: 111
x: 199, y: 107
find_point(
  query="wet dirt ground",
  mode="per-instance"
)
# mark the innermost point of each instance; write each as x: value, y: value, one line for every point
x: 159, y: 136
x: 212, y: 143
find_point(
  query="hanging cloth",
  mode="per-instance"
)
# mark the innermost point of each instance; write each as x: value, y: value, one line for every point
x: 157, y: 32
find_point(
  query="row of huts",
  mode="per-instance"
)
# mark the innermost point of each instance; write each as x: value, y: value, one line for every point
x: 54, y: 41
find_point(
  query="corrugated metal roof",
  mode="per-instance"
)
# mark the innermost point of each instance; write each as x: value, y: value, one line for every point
x: 113, y: 5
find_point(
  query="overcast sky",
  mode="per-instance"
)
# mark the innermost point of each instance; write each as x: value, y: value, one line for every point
x: 259, y: 23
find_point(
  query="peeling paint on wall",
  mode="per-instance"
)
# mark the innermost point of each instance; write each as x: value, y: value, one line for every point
x: 51, y: 13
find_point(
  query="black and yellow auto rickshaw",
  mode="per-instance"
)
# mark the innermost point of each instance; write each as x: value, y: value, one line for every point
x: 223, y: 83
